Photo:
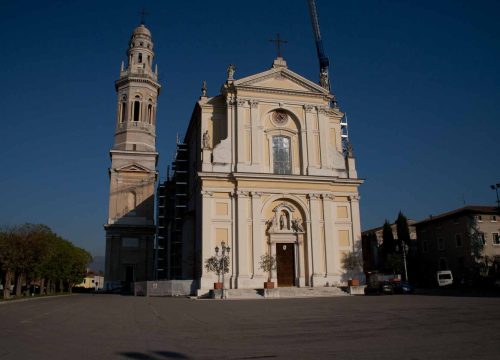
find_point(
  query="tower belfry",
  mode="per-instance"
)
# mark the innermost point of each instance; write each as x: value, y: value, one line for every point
x: 130, y: 227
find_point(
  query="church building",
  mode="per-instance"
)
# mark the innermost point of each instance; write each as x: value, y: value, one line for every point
x: 263, y: 171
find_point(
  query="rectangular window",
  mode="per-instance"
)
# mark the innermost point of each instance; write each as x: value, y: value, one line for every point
x: 496, y: 238
x: 440, y: 244
x: 458, y: 240
x: 481, y: 239
x: 281, y: 155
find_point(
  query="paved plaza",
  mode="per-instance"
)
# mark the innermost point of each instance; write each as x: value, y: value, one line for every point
x: 364, y: 327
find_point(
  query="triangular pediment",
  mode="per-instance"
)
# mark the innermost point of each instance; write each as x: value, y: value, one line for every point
x: 134, y: 167
x: 281, y: 78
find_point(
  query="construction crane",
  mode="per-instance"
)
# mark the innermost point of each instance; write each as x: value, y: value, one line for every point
x: 324, y: 65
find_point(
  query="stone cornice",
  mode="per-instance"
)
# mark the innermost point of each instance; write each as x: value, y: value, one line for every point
x: 280, y: 178
x: 283, y: 92
x: 121, y: 82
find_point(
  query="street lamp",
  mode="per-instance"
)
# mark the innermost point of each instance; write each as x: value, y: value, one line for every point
x: 222, y: 259
x: 496, y: 187
x: 404, y: 250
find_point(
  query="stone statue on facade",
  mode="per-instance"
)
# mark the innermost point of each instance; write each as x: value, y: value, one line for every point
x: 206, y: 140
x: 323, y: 79
x: 297, y: 226
x: 349, y: 151
x: 204, y: 88
x: 230, y: 71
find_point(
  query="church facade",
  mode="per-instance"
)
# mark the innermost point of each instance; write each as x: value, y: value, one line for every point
x: 264, y: 173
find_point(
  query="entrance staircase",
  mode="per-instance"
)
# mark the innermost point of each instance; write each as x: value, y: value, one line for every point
x: 282, y: 293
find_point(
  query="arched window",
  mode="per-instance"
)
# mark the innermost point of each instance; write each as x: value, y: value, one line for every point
x: 131, y: 203
x: 150, y: 113
x: 281, y: 155
x: 123, y: 111
x: 140, y: 58
x: 137, y: 110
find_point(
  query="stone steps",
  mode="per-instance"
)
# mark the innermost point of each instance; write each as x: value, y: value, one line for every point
x: 284, y: 292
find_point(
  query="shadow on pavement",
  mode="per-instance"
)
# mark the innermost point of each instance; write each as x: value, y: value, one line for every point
x: 459, y: 292
x: 159, y: 355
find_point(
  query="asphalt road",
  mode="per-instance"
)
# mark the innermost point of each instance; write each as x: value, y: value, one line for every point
x: 364, y: 327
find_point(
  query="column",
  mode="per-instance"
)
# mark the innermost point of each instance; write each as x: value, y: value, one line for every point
x: 356, y: 221
x: 241, y: 242
x: 258, y: 249
x: 330, y: 237
x: 256, y: 134
x: 356, y: 231
x: 240, y: 132
x: 230, y: 128
x: 309, y: 136
x: 315, y: 239
x: 207, y: 248
x: 323, y: 136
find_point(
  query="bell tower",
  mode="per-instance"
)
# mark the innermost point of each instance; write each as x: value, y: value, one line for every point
x: 130, y: 228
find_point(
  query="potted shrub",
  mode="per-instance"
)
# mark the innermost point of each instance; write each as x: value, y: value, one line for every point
x: 352, y: 263
x: 268, y: 264
x: 218, y: 264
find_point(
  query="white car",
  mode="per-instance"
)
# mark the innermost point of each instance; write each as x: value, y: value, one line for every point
x: 444, y: 278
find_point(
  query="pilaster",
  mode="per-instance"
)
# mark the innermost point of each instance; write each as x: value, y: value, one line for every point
x: 257, y: 134
x: 323, y: 136
x: 309, y: 137
x: 207, y: 250
x: 242, y: 203
x: 331, y: 242
x: 314, y: 203
x: 240, y: 132
x: 257, y: 244
x: 356, y: 220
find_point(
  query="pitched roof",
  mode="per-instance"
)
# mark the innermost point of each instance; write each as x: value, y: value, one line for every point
x: 470, y: 209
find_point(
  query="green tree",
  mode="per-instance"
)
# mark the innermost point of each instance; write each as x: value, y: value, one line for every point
x: 30, y: 251
x: 388, y: 243
x: 402, y: 229
x: 8, y: 259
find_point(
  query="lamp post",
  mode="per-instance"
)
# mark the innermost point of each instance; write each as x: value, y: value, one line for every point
x: 404, y: 249
x: 222, y: 259
x: 496, y: 187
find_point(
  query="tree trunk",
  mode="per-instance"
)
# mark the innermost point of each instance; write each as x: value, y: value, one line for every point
x: 49, y: 286
x: 61, y: 286
x: 6, y: 287
x: 42, y: 284
x: 19, y: 282
x: 28, y: 286
x: 70, y: 287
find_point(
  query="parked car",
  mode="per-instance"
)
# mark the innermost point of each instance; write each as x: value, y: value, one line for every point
x: 402, y: 287
x: 379, y: 288
x: 444, y: 278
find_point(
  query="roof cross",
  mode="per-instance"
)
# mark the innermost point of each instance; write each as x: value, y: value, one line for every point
x: 278, y: 43
x: 143, y: 14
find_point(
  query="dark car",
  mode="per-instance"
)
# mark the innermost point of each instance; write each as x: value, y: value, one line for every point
x: 402, y: 287
x: 379, y: 288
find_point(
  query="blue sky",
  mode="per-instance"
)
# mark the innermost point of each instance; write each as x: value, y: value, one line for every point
x: 420, y: 83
